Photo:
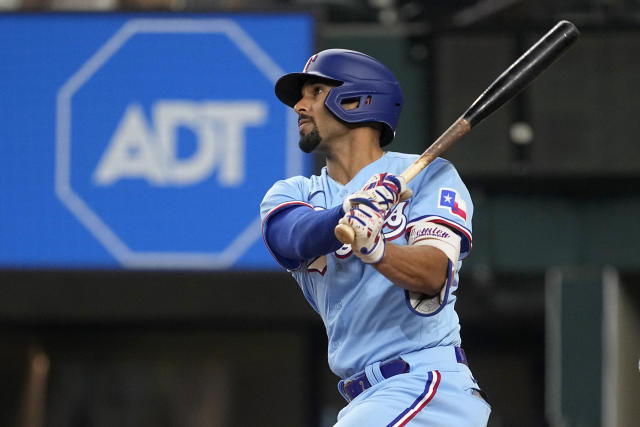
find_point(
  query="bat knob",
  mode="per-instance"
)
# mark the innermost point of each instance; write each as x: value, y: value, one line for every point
x: 344, y: 233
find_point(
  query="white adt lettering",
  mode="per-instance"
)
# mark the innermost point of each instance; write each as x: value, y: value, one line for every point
x: 131, y: 152
x: 138, y: 151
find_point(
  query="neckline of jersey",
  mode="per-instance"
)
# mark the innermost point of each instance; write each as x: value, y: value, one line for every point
x: 364, y: 170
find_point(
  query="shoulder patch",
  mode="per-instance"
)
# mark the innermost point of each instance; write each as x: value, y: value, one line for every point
x: 450, y: 199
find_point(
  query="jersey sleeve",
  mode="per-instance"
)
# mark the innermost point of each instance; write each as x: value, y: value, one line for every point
x: 440, y: 196
x: 281, y: 196
x: 284, y: 193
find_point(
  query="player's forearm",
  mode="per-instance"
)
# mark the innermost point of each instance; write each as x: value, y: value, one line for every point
x: 415, y: 268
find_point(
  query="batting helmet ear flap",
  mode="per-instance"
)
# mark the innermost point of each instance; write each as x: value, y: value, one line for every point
x: 376, y: 104
x: 355, y: 75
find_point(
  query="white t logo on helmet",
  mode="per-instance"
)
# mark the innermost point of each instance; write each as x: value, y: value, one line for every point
x: 309, y: 61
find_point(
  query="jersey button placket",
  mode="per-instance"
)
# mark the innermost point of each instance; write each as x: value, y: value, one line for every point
x: 335, y: 313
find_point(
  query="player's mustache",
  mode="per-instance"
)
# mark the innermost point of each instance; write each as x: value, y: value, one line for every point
x: 302, y: 117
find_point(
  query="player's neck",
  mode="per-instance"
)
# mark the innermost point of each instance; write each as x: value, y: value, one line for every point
x: 346, y: 158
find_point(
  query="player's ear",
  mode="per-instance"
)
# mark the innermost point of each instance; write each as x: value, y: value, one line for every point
x: 350, y: 103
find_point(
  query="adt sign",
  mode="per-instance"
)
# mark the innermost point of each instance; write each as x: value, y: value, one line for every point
x: 150, y: 151
x: 167, y: 138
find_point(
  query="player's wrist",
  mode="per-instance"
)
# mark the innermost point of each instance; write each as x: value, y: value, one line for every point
x: 373, y: 255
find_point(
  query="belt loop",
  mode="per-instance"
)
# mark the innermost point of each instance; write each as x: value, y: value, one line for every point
x: 341, y: 390
x: 373, y: 373
x: 375, y: 368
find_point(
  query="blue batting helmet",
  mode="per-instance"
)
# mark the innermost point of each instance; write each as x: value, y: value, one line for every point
x: 357, y: 77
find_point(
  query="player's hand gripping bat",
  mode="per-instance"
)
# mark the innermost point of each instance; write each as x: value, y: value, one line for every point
x: 506, y: 86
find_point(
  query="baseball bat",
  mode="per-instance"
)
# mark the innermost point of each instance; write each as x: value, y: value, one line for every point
x: 506, y: 86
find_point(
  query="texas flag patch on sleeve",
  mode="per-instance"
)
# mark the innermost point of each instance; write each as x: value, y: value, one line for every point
x: 451, y: 200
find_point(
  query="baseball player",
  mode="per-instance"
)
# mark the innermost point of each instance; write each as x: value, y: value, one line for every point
x: 387, y: 300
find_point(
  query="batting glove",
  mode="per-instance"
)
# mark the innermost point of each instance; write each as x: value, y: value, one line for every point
x: 366, y: 221
x: 385, y: 190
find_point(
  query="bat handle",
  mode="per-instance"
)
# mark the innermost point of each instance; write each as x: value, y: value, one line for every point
x: 344, y: 233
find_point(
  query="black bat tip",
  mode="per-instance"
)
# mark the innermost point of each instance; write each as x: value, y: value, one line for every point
x: 523, y: 71
x: 567, y: 28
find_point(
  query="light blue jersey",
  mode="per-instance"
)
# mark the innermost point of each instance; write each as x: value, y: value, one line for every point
x: 367, y: 318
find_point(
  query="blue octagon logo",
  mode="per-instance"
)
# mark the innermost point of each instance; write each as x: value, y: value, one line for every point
x: 167, y: 138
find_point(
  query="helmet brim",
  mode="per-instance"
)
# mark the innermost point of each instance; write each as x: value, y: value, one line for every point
x: 288, y: 87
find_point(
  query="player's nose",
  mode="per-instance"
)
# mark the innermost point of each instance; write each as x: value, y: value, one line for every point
x: 301, y: 106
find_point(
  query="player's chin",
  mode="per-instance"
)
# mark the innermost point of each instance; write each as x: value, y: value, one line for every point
x: 308, y: 142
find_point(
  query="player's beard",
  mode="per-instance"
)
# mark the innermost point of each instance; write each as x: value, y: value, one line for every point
x: 310, y: 141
